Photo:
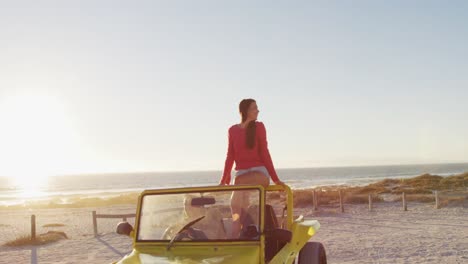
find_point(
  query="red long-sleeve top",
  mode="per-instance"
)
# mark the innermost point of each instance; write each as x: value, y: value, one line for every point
x: 244, y: 157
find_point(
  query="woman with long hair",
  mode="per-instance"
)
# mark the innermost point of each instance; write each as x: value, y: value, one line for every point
x: 248, y: 148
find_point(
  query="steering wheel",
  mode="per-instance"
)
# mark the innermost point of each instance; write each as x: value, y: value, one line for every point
x: 188, y: 234
x: 191, y: 234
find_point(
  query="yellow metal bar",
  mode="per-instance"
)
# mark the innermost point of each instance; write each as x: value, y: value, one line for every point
x: 289, y: 201
x: 199, y: 243
x: 262, y: 225
x: 202, y: 189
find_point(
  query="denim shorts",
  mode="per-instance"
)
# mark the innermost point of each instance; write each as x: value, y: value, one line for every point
x: 261, y: 169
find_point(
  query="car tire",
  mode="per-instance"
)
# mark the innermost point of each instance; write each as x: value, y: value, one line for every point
x: 312, y: 253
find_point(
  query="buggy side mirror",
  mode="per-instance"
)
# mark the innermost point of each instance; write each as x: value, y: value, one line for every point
x: 124, y: 228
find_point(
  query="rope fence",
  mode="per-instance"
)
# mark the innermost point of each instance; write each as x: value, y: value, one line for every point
x: 317, y: 193
x: 340, y: 194
x: 96, y: 216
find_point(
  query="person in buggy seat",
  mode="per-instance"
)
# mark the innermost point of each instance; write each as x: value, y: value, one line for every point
x: 211, y: 226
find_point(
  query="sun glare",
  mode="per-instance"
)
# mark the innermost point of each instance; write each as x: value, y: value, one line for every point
x: 36, y: 140
x: 30, y: 185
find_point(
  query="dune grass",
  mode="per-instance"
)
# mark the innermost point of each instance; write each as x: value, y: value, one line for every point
x: 79, y: 202
x: 42, y: 239
x: 423, y: 184
x: 453, y: 190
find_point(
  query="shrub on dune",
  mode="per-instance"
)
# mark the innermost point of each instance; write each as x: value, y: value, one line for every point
x: 42, y: 239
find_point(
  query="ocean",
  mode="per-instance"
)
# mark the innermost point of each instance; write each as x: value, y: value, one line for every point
x: 300, y: 178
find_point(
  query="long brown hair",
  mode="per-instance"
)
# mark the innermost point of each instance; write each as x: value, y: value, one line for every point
x: 251, y: 127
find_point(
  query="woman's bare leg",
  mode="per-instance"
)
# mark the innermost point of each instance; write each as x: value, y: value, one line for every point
x: 240, y: 199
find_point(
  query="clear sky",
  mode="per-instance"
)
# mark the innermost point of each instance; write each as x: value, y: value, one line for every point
x: 118, y: 86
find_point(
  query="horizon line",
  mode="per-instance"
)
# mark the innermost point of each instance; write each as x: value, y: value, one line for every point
x: 282, y: 168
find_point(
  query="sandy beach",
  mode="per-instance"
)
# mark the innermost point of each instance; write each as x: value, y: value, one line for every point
x: 386, y: 235
x: 390, y: 235
x: 81, y: 245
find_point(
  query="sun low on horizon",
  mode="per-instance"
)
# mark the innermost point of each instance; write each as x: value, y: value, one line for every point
x: 37, y: 139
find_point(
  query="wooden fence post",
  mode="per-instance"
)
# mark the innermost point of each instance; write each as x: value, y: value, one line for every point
x: 95, y: 223
x: 315, y: 200
x: 437, y: 205
x: 33, y: 227
x: 119, y: 216
x: 370, y: 203
x: 405, y: 208
x: 341, y: 201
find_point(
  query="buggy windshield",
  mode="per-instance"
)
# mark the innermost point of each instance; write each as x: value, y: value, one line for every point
x: 168, y: 216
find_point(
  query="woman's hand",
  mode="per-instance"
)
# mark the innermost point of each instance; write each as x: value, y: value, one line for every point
x: 281, y: 183
x: 223, y: 183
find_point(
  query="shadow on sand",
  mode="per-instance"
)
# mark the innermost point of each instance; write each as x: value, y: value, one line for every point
x: 33, y: 255
x: 111, y: 247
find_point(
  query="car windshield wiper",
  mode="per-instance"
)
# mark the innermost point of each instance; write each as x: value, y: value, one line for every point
x: 182, y: 229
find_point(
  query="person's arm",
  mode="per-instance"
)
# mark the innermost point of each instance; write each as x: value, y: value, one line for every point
x: 265, y: 153
x: 226, y: 179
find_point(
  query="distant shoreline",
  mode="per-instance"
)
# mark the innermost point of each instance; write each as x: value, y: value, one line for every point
x: 150, y: 172
x: 418, y: 188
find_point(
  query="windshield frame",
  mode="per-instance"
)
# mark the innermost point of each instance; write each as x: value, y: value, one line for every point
x: 188, y: 190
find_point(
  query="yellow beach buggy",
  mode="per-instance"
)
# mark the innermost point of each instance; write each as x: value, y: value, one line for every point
x: 194, y: 225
